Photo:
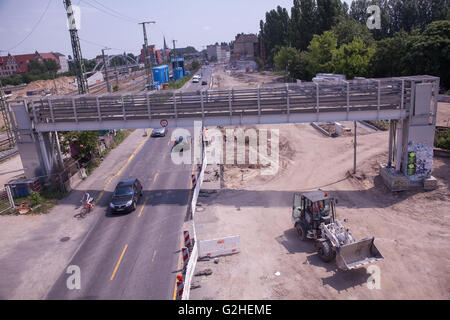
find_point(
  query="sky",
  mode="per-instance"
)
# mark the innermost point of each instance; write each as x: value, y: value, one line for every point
x: 114, y: 24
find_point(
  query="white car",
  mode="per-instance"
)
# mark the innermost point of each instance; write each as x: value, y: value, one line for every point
x: 195, y: 80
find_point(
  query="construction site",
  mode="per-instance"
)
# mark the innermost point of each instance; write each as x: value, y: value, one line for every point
x: 410, y: 228
x: 239, y: 172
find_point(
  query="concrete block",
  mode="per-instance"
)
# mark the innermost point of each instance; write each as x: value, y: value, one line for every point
x: 430, y: 183
x: 393, y: 180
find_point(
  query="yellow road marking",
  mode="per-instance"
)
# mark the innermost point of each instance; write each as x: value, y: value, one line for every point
x: 120, y: 170
x: 168, y: 142
x: 164, y: 155
x: 118, y: 262
x: 156, y: 177
x: 142, y: 209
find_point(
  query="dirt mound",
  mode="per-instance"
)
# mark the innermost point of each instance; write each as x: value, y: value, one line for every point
x: 61, y: 85
x: 235, y: 174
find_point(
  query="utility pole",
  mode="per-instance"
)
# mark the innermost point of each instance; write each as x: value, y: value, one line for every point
x: 147, y: 60
x: 76, y: 48
x: 108, y: 86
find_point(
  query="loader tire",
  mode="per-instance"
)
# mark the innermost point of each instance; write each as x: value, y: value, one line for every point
x: 301, y: 231
x: 326, y: 252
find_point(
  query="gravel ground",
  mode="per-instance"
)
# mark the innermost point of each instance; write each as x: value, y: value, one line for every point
x: 411, y: 229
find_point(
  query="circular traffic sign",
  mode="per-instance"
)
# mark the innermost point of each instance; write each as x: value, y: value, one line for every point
x: 164, y: 123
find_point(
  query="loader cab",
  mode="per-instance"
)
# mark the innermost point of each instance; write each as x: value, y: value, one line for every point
x: 316, y: 206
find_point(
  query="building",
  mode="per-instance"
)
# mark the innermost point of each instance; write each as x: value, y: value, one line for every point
x: 246, y: 46
x: 219, y: 52
x: 63, y: 62
x: 18, y: 64
x: 212, y: 52
x: 152, y: 54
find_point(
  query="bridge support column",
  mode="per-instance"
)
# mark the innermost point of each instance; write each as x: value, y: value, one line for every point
x: 414, y: 142
x: 36, y: 149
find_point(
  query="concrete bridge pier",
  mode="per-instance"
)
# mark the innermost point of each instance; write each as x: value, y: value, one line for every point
x: 411, y: 142
x: 40, y: 152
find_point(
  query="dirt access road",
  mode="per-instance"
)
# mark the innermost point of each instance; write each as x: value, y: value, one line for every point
x: 411, y: 229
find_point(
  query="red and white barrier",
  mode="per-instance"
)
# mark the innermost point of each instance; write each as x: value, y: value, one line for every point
x: 216, y: 247
x: 194, y: 181
x: 187, y: 239
x: 185, y: 252
x: 180, y: 286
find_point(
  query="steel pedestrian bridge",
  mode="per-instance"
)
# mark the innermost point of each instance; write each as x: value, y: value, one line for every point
x: 369, y: 99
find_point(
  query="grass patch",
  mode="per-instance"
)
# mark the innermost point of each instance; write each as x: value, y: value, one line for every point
x: 40, y: 203
x: 180, y: 83
x: 442, y: 138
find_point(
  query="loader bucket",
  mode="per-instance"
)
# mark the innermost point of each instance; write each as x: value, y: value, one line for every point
x: 357, y: 254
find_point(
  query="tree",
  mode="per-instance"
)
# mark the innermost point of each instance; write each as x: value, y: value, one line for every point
x: 389, y: 56
x: 51, y: 65
x: 429, y: 52
x: 328, y: 13
x: 321, y: 52
x: 84, y: 142
x: 284, y: 58
x: 352, y: 59
x: 195, y: 65
x: 347, y: 29
x: 303, y: 23
x: 36, y: 67
x: 274, y: 31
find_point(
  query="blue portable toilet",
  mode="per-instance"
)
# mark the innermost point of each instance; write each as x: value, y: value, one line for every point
x: 178, y: 73
x: 161, y: 74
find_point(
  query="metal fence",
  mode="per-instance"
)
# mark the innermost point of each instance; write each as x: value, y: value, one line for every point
x: 6, y: 200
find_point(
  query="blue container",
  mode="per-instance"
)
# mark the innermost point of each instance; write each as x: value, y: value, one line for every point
x: 161, y: 74
x: 22, y: 187
x: 178, y: 73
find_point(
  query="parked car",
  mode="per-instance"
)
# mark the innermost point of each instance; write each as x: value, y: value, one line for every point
x: 195, y: 80
x: 182, y: 143
x: 126, y: 196
x: 159, y: 132
x: 204, y: 83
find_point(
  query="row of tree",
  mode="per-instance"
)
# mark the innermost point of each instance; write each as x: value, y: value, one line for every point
x: 330, y: 36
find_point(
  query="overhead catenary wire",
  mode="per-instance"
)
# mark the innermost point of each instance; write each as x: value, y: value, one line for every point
x: 121, y: 17
x: 32, y: 29
x: 104, y: 46
x: 116, y: 12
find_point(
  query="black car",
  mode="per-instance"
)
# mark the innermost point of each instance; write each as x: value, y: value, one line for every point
x: 126, y: 195
x: 204, y: 83
x: 159, y: 132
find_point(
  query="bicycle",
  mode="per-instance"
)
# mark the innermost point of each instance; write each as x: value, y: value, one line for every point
x: 86, y: 209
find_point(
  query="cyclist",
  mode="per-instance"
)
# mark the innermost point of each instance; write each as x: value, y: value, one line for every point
x: 87, y: 199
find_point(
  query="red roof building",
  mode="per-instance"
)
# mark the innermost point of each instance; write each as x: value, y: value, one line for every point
x: 18, y: 64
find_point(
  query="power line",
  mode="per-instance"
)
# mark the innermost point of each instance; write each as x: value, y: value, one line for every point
x: 116, y: 12
x: 34, y: 27
x: 102, y: 45
x: 108, y: 13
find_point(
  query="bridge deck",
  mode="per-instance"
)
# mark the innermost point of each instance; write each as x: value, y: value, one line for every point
x: 352, y: 100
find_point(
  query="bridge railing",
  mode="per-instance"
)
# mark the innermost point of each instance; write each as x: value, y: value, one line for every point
x: 343, y: 96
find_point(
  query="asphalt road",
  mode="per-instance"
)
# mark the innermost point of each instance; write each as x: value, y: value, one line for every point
x: 136, y: 255
x: 205, y: 72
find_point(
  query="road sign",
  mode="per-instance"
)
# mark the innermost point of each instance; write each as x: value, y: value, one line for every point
x: 164, y: 123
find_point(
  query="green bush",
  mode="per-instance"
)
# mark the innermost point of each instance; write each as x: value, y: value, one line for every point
x: 35, y: 198
x: 442, y: 140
